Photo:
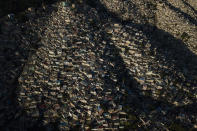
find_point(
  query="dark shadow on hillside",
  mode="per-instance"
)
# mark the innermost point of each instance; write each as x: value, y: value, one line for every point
x: 15, y: 6
x: 188, y: 5
x: 173, y: 54
x: 181, y: 13
x: 169, y: 51
x: 16, y: 45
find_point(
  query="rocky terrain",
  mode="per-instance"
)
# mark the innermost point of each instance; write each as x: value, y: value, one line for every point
x: 100, y: 65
